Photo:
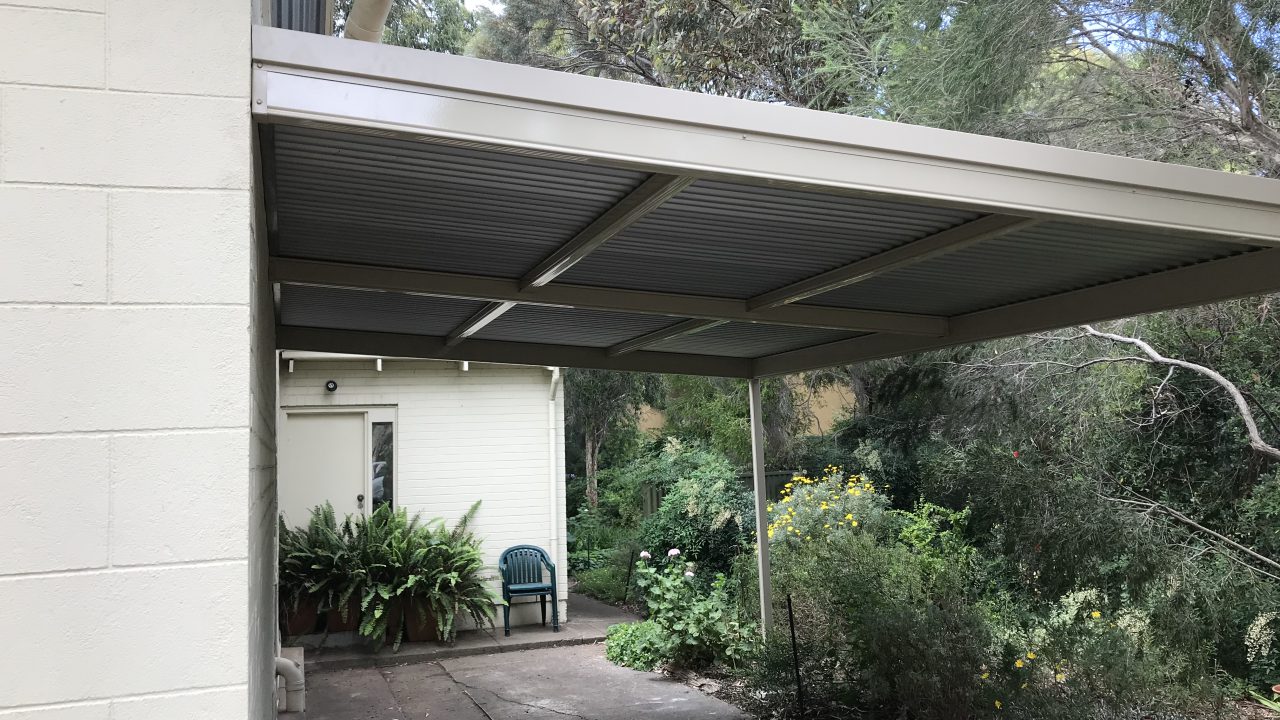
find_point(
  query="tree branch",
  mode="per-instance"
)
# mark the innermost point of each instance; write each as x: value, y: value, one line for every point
x: 1242, y: 406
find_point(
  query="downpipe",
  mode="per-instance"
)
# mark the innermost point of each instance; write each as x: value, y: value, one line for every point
x: 366, y: 20
x: 295, y: 685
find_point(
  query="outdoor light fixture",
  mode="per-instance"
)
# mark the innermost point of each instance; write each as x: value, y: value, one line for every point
x: 331, y: 386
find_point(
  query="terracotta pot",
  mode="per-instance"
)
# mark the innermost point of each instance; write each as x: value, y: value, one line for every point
x: 420, y: 628
x: 335, y: 623
x: 301, y: 619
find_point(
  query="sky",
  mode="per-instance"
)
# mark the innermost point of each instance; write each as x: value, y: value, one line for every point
x: 494, y: 5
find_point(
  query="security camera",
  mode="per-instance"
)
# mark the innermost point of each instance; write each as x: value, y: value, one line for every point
x: 331, y: 386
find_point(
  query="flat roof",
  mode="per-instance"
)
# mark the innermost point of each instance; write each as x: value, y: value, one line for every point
x: 434, y: 206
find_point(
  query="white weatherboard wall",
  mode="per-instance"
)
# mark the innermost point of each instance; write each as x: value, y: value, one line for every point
x: 461, y: 436
x: 125, y: 363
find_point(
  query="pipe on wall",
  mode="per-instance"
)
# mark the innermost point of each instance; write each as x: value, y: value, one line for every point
x: 295, y: 685
x: 366, y: 20
x: 557, y: 381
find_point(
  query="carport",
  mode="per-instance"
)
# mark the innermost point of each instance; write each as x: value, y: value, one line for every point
x: 432, y: 206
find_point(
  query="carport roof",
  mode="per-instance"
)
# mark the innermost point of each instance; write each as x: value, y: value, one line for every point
x: 426, y: 205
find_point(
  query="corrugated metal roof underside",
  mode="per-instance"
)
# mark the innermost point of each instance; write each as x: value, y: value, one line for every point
x: 383, y: 201
x: 741, y: 339
x: 735, y: 240
x: 570, y: 326
x: 1042, y: 260
x: 343, y: 309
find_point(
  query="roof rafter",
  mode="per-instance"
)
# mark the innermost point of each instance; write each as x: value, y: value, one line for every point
x: 478, y: 287
x: 644, y: 199
x: 688, y: 327
x: 477, y: 322
x: 925, y: 248
x: 647, y: 197
x: 1237, y: 276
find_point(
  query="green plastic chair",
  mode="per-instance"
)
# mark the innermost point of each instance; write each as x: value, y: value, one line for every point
x: 522, y: 569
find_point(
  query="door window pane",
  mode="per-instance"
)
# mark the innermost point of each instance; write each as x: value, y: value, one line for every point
x: 382, y: 462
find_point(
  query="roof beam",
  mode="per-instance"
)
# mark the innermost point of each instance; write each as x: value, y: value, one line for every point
x: 688, y: 327
x: 930, y: 246
x: 476, y: 322
x: 646, y: 198
x: 360, y: 342
x: 477, y: 287
x: 1237, y: 276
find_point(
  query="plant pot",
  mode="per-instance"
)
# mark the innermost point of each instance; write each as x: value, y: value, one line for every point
x: 418, y: 627
x: 335, y: 623
x: 302, y: 619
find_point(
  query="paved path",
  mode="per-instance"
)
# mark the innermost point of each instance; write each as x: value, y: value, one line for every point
x: 587, y: 623
x: 545, y: 684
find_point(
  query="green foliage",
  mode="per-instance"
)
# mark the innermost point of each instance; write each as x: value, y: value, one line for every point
x: 715, y: 412
x: 706, y: 512
x: 689, y: 625
x: 609, y: 582
x: 393, y: 565
x: 314, y: 561
x: 640, y: 645
x: 600, y: 404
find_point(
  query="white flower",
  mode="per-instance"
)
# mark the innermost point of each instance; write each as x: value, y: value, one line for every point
x: 688, y: 573
x: 644, y: 555
x: 673, y: 552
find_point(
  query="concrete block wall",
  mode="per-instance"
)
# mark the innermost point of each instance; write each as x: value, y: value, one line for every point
x: 126, y: 360
x: 462, y: 436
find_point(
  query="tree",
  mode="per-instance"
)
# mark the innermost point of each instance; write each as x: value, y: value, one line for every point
x: 598, y: 402
x: 438, y: 25
x: 1190, y: 81
x: 717, y: 411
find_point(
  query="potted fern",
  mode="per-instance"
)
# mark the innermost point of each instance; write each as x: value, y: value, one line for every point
x: 444, y: 582
x: 299, y: 605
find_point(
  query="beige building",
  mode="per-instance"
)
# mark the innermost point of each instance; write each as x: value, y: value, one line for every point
x: 170, y: 172
x: 430, y: 437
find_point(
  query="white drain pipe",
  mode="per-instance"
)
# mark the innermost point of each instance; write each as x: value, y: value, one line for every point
x: 553, y: 475
x: 295, y: 686
x: 366, y: 20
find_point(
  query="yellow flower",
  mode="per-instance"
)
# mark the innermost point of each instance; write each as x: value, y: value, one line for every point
x: 827, y: 526
x: 1095, y: 614
x: 1031, y: 656
x: 1019, y: 663
x: 999, y: 704
x: 1060, y: 677
x: 848, y: 516
x: 1024, y: 686
x: 853, y: 523
x: 986, y: 675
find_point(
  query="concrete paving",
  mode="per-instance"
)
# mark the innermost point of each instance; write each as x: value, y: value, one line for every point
x: 543, y: 684
x: 588, y: 621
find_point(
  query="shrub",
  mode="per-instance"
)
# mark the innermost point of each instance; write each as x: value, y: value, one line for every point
x: 697, y: 625
x: 707, y: 513
x: 640, y: 645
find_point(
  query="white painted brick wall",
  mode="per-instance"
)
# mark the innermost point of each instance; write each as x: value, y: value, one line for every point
x: 461, y: 437
x: 129, y: 422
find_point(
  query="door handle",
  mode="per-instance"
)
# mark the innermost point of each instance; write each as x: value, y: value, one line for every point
x: 360, y: 501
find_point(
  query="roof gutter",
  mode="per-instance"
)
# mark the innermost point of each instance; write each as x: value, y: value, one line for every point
x: 366, y: 20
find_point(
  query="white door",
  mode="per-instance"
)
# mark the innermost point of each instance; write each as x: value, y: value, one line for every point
x: 324, y: 456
